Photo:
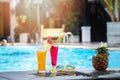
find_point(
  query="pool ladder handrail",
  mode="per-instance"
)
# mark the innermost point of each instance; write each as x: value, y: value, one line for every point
x: 66, y: 37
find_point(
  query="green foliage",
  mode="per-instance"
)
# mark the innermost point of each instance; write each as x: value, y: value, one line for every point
x: 113, y: 7
x: 72, y: 22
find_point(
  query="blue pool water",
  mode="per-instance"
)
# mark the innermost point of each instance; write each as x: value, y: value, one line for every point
x: 23, y: 58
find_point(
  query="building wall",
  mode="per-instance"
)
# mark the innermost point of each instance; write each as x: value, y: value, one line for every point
x: 4, y: 19
x: 1, y: 19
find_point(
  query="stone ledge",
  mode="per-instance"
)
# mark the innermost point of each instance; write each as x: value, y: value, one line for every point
x: 82, y: 74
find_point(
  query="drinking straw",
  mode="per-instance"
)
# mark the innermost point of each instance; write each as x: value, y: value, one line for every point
x: 59, y: 39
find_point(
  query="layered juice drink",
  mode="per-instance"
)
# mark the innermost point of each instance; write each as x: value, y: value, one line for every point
x: 41, y: 58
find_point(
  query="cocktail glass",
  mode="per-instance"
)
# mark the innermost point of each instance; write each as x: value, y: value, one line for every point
x: 54, y: 54
x: 41, y: 58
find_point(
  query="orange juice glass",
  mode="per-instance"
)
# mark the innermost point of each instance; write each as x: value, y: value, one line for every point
x: 41, y: 57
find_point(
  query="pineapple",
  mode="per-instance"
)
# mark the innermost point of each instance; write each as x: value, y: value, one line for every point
x: 100, y: 61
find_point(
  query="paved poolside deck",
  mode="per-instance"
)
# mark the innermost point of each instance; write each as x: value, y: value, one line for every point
x: 88, y: 45
x: 81, y: 74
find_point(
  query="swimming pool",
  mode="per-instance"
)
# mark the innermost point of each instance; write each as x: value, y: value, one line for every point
x: 23, y: 58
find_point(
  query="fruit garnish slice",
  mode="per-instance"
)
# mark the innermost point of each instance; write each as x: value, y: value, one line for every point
x: 49, y: 40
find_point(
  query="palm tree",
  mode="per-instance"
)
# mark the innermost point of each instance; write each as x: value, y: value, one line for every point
x: 113, y: 9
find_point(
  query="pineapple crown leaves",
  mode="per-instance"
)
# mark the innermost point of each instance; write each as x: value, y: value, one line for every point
x: 102, y: 48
